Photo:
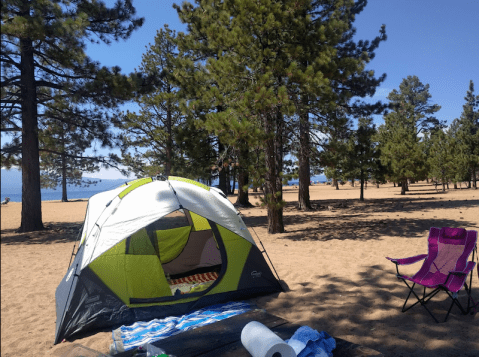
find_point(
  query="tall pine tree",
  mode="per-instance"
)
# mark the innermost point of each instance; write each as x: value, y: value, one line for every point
x: 412, y: 113
x: 364, y: 152
x: 468, y: 133
x: 43, y: 48
x: 441, y: 159
x: 63, y: 146
x: 149, y: 143
x: 345, y: 72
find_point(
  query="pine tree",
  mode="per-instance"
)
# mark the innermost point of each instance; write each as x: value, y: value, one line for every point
x: 468, y: 133
x: 459, y: 153
x: 363, y: 151
x: 149, y: 143
x: 345, y: 72
x: 402, y: 149
x: 334, y: 154
x: 43, y: 48
x: 441, y: 158
x: 62, y: 152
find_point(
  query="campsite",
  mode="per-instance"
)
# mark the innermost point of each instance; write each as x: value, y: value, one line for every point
x: 239, y: 178
x: 333, y: 264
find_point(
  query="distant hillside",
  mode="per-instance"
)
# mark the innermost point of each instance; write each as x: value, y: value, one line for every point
x: 11, y: 180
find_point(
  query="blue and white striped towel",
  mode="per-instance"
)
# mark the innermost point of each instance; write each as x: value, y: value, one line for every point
x: 128, y: 337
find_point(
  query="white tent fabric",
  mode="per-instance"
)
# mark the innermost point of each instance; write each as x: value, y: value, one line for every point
x: 106, y: 226
x: 211, y: 205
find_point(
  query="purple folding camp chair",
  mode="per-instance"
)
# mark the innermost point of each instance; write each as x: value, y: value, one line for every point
x: 445, y: 267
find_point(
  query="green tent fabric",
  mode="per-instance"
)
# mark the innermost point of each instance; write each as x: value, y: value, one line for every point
x: 171, y: 242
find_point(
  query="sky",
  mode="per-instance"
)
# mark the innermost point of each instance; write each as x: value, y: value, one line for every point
x: 435, y: 40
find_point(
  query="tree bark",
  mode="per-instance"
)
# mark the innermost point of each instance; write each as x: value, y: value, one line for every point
x: 222, y: 171
x: 64, y: 178
x: 273, y: 193
x: 169, y: 140
x: 304, y: 202
x: 243, y: 179
x: 474, y: 177
x: 403, y: 187
x: 31, y: 216
x: 361, y: 195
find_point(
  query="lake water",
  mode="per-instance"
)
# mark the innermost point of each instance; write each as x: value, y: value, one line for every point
x: 51, y: 195
x: 56, y: 195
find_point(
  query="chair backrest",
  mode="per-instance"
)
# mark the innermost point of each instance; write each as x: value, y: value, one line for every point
x: 449, y: 249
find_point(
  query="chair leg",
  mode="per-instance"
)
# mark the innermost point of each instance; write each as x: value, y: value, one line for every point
x: 471, y: 304
x: 422, y: 301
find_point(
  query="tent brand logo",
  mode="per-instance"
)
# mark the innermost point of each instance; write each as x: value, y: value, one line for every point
x: 69, y: 274
x: 256, y: 274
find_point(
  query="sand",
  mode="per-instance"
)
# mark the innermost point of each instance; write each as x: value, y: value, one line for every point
x: 331, y: 261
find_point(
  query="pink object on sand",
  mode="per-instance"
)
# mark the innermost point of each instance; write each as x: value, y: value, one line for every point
x: 445, y: 266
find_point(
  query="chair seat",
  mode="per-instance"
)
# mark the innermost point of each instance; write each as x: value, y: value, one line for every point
x: 429, y: 280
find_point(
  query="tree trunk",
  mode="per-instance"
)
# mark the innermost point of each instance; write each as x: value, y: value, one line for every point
x: 64, y: 177
x: 403, y: 187
x: 304, y: 202
x: 361, y: 195
x: 222, y: 171
x: 228, y: 179
x: 455, y: 185
x: 169, y: 139
x: 273, y: 193
x: 31, y: 216
x: 443, y: 186
x: 243, y: 179
x: 377, y: 184
x: 474, y: 177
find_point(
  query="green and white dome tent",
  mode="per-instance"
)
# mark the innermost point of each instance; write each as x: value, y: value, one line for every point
x: 154, y: 248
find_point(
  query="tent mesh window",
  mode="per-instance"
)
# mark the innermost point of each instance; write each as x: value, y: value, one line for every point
x: 198, y: 264
x: 186, y: 247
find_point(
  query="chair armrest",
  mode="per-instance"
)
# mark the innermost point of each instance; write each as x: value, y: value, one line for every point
x: 467, y: 269
x: 406, y: 261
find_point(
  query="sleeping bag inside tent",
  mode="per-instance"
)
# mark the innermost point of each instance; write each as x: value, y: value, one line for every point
x: 154, y: 248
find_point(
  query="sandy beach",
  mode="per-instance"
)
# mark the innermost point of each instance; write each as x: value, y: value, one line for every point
x: 331, y: 260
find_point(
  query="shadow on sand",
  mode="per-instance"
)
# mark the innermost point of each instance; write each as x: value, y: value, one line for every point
x: 53, y: 233
x: 353, y: 219
x: 369, y: 311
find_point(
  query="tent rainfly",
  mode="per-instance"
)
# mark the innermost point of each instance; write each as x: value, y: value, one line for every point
x: 154, y: 248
